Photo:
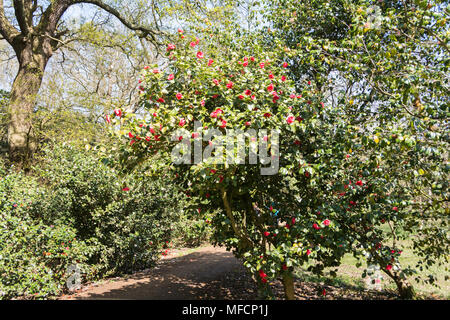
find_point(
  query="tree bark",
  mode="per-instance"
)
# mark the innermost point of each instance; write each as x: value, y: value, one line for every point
x: 405, y: 289
x: 288, y: 284
x: 23, y: 98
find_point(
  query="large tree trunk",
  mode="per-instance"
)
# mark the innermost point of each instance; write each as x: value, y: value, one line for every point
x: 23, y: 97
x: 32, y: 63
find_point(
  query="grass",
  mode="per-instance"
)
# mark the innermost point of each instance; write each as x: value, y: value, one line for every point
x: 348, y: 275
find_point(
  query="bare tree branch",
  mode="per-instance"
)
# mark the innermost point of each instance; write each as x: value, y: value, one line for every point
x: 6, y: 29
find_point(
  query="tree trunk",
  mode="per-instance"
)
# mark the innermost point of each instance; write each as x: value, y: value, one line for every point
x: 33, y: 58
x: 405, y: 289
x: 23, y: 97
x: 288, y: 284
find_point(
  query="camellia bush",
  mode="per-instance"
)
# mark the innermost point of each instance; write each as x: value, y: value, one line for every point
x: 385, y: 64
x: 264, y: 211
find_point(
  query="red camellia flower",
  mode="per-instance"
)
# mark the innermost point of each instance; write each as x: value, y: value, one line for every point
x: 195, y: 135
x: 200, y: 55
x: 308, y: 252
x: 155, y: 71
x: 179, y: 96
x: 266, y: 233
x: 161, y: 100
x: 221, y: 179
x: 245, y: 64
x: 297, y: 142
x: 283, y: 78
x: 316, y: 226
x: 180, y: 30
x: 130, y: 135
x: 170, y: 47
x: 326, y: 222
x: 293, y: 220
x: 193, y: 44
x: 108, y: 118
x: 388, y: 267
x: 230, y: 85
x: 270, y: 88
x: 267, y: 115
x: 213, y: 171
x: 284, y: 267
x: 395, y: 208
x: 210, y: 62
x: 285, y: 65
x: 118, y: 112
x: 293, y: 96
x: 247, y: 123
x: 182, y: 122
x: 224, y: 124
x: 271, y: 76
x: 359, y: 183
x: 216, y: 82
x: 241, y: 97
x: 261, y: 65
x: 126, y: 189
x: 290, y: 119
x: 171, y: 77
x: 247, y: 92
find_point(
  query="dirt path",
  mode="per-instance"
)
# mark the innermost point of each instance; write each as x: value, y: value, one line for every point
x: 202, y: 273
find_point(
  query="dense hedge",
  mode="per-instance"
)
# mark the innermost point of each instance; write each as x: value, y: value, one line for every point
x: 74, y: 209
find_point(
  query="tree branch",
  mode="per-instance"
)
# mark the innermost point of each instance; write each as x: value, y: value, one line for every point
x: 6, y: 29
x: 19, y: 10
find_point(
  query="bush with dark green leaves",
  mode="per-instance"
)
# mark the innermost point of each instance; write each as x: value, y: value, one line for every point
x: 76, y: 210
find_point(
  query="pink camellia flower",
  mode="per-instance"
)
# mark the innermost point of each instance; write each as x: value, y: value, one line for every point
x: 155, y: 71
x: 252, y: 97
x: 193, y: 44
x: 195, y: 135
x: 270, y: 87
x: 171, y: 77
x: 230, y: 85
x: 326, y: 222
x: 265, y: 138
x: 395, y: 208
x: 216, y: 82
x: 179, y: 96
x: 210, y: 62
x: 182, y: 122
x: 108, y: 118
x: 180, y: 30
x: 290, y: 119
x: 316, y: 226
x: 213, y: 114
x: 285, y: 65
x: 118, y: 112
x: 200, y: 55
x: 245, y: 64
x: 202, y: 103
x: 292, y: 96
x: 247, y: 123
x: 170, y: 47
x: 283, y: 78
x: 261, y: 65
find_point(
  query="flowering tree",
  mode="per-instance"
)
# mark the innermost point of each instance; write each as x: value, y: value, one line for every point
x: 266, y: 204
x: 386, y: 64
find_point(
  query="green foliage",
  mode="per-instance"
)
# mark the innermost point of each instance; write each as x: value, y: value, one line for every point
x: 75, y: 210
